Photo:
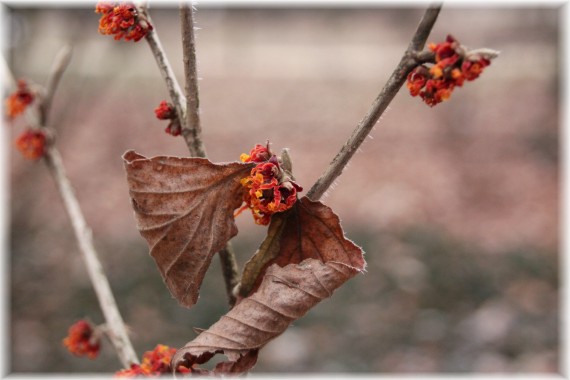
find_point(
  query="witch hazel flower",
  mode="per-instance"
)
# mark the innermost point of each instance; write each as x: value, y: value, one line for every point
x: 19, y: 100
x: 454, y: 65
x: 32, y: 144
x: 154, y: 363
x: 83, y: 340
x: 269, y: 188
x: 166, y: 111
x: 122, y: 20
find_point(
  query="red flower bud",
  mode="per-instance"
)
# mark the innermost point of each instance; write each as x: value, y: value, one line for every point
x: 18, y: 101
x: 165, y: 111
x: 259, y: 153
x: 452, y: 67
x: 154, y: 363
x: 82, y: 341
x: 32, y: 144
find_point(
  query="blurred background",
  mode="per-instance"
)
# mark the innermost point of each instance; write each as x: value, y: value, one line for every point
x: 457, y: 206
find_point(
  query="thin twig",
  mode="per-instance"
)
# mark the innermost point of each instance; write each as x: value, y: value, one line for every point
x: 118, y: 331
x: 424, y: 28
x: 191, y: 128
x: 391, y: 88
x: 230, y: 271
x: 192, y: 131
x: 166, y: 70
x: 59, y: 66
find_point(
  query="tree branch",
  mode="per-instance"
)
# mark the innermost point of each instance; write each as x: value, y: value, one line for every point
x: 188, y: 113
x: 192, y: 131
x: 391, y: 88
x: 117, y: 329
x: 191, y: 128
x: 424, y: 28
x: 166, y: 70
x: 59, y: 66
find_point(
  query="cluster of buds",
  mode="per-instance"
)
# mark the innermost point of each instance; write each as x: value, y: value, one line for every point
x: 269, y: 188
x: 19, y: 100
x: 32, y: 142
x: 166, y: 111
x: 453, y: 65
x: 123, y: 20
x: 154, y: 363
x: 82, y: 340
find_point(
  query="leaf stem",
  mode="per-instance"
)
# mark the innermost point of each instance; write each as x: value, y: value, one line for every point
x: 408, y: 62
x: 118, y: 331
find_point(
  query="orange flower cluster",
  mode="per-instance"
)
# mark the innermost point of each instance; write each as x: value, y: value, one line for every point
x: 269, y: 188
x: 81, y: 340
x: 452, y: 67
x: 166, y: 111
x: 17, y: 102
x: 32, y: 144
x: 122, y: 20
x: 154, y: 363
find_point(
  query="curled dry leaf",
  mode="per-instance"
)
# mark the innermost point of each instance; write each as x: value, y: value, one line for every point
x: 184, y: 209
x: 308, y: 230
x: 309, y: 259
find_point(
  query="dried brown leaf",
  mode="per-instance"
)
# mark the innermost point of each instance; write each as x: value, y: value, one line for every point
x: 184, y: 209
x: 319, y: 259
x: 309, y: 230
x: 285, y: 295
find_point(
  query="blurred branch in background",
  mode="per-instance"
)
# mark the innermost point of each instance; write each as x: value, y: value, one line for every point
x: 117, y: 331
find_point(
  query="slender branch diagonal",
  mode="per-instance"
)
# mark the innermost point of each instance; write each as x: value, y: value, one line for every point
x: 116, y: 328
x: 187, y: 109
x: 410, y: 59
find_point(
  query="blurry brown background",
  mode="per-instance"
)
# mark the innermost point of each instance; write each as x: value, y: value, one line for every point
x: 457, y: 207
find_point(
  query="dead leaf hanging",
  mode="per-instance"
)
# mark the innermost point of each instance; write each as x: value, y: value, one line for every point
x: 309, y: 230
x: 318, y: 258
x: 184, y: 209
x: 285, y: 295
